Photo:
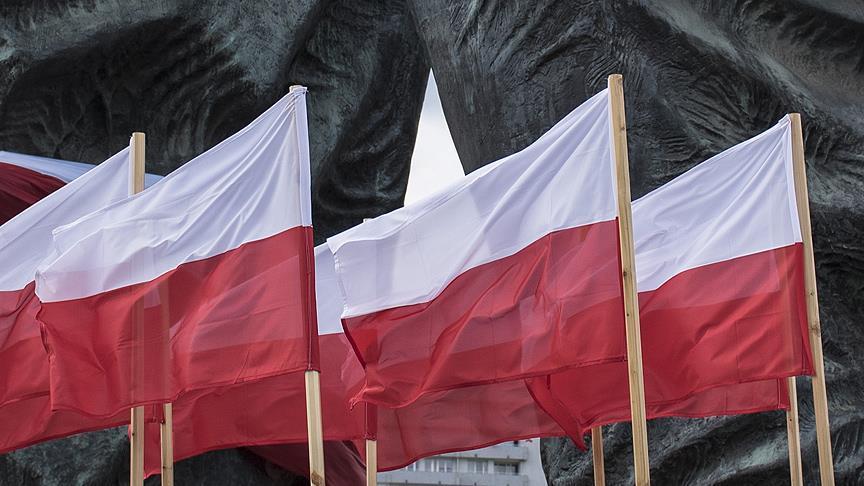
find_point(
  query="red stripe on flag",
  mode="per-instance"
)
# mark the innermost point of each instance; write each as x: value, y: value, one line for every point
x: 25, y: 373
x: 342, y: 467
x: 20, y: 188
x: 31, y: 421
x: 25, y: 407
x: 716, y: 340
x: 265, y: 412
x: 232, y: 318
x: 458, y: 420
x: 270, y: 411
x: 552, y: 305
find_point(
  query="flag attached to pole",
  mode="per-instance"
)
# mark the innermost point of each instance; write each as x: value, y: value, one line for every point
x: 264, y: 412
x: 513, y: 272
x: 25, y: 410
x: 203, y: 280
x: 254, y: 414
x: 25, y: 179
x: 721, y: 293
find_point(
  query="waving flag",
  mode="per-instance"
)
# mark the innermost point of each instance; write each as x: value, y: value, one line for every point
x: 343, y: 465
x: 262, y: 413
x: 511, y: 273
x: 25, y: 410
x: 25, y: 179
x: 204, y: 280
x: 721, y: 294
x: 254, y: 414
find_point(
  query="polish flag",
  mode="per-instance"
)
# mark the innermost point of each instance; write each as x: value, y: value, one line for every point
x: 203, y: 280
x: 25, y: 409
x: 25, y: 179
x: 510, y: 273
x: 268, y: 414
x: 272, y: 410
x: 721, y: 294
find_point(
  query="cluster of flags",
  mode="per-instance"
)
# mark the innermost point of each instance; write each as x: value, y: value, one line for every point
x: 503, y: 307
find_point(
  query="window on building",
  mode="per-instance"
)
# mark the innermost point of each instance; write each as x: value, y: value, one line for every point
x: 506, y: 468
x: 478, y: 466
x: 445, y: 464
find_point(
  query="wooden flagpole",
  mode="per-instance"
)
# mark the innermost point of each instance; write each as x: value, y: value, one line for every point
x: 136, y: 429
x: 628, y: 276
x: 166, y: 438
x: 597, y: 455
x: 166, y: 427
x: 794, y: 438
x: 820, y: 395
x: 314, y: 428
x: 371, y: 462
x: 371, y: 444
x: 136, y: 461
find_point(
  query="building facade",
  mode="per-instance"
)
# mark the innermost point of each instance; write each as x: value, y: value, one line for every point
x: 513, y: 463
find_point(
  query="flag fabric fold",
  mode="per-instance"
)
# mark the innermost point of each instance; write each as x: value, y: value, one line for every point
x: 64, y: 171
x: 25, y: 179
x: 343, y: 465
x: 203, y: 280
x: 20, y: 188
x: 721, y: 294
x: 511, y: 273
x: 25, y: 410
x: 269, y: 412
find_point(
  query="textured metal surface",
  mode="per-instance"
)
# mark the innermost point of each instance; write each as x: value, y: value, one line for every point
x: 76, y: 77
x: 699, y: 76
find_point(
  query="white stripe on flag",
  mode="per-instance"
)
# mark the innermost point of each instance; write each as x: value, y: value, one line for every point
x: 737, y: 203
x: 410, y: 255
x: 26, y: 239
x: 251, y: 186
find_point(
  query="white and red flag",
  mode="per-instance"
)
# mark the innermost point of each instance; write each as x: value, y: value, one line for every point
x: 203, y: 280
x: 510, y: 273
x: 25, y: 410
x: 268, y: 412
x: 258, y: 413
x: 25, y: 179
x: 721, y: 294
